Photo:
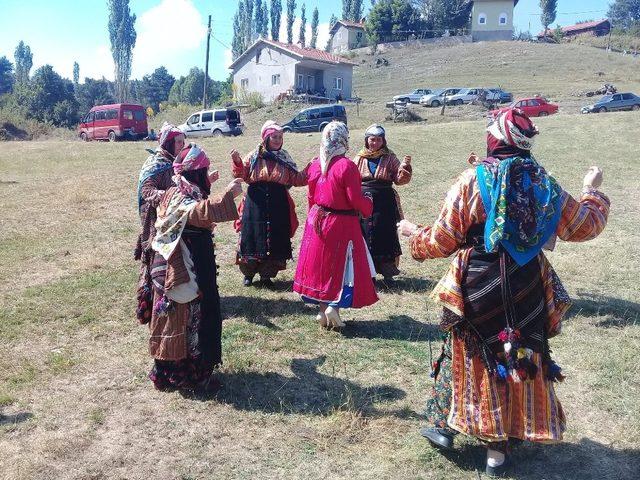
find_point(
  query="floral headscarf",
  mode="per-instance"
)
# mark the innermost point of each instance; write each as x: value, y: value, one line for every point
x: 168, y: 132
x: 510, y: 133
x: 335, y: 141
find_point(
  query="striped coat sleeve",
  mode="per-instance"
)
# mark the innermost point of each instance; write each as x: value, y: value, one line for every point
x: 221, y: 208
x: 583, y: 220
x: 449, y: 231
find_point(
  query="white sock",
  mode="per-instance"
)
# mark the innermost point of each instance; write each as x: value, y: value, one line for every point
x: 495, y: 458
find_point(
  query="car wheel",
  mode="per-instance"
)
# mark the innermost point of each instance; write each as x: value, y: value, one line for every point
x: 286, y: 130
x: 435, y: 103
x: 458, y: 102
x: 216, y: 133
x: 83, y: 137
x: 112, y: 136
x: 321, y: 128
x: 543, y: 114
x: 602, y: 110
x: 635, y: 107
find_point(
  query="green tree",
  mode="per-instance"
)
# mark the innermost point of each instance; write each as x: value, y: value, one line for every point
x: 6, y: 75
x: 548, y: 15
x: 189, y: 89
x: 332, y: 21
x: 24, y: 62
x: 625, y: 15
x: 291, y: 17
x: 356, y: 10
x: 238, y: 45
x: 154, y: 89
x: 346, y: 9
x: 249, y: 27
x: 258, y: 18
x: 122, y: 35
x: 265, y: 19
x: 276, y: 15
x: 392, y: 19
x: 94, y: 92
x: 49, y: 98
x: 302, y: 40
x: 314, y: 27
x: 76, y: 73
x: 441, y: 15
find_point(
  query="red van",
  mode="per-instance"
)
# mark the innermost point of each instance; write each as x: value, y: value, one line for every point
x: 114, y: 122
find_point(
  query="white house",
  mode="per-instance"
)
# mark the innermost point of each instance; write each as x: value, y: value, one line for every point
x: 492, y: 20
x: 272, y: 68
x: 345, y: 35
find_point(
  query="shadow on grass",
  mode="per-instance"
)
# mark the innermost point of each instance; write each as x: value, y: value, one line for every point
x: 619, y: 312
x: 15, y: 418
x: 586, y: 460
x: 406, y: 284
x: 259, y: 310
x: 397, y: 327
x: 307, y: 392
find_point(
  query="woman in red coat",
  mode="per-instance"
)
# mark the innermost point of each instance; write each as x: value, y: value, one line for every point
x: 335, y: 269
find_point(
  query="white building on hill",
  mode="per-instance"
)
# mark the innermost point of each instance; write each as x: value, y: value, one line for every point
x: 272, y: 68
x: 492, y: 20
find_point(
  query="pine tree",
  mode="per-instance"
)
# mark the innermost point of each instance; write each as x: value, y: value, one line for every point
x: 24, y: 62
x: 346, y: 9
x: 302, y: 40
x: 257, y: 19
x: 265, y: 19
x: 6, y: 75
x: 249, y: 31
x: 314, y: 28
x: 238, y: 44
x: 356, y: 10
x: 276, y: 15
x: 291, y: 17
x: 122, y: 35
x: 549, y: 11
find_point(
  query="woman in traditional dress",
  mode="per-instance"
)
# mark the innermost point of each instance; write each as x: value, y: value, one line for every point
x: 380, y: 169
x: 502, y: 301
x: 335, y: 269
x: 268, y: 215
x: 154, y: 179
x: 186, y: 324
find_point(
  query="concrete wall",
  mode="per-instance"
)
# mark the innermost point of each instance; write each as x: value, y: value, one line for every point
x: 438, y: 41
x: 343, y: 71
x: 491, y: 11
x: 258, y: 69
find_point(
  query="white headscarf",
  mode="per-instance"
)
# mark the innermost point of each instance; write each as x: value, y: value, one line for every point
x: 335, y: 141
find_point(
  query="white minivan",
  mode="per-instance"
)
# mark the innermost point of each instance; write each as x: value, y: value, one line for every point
x: 216, y: 122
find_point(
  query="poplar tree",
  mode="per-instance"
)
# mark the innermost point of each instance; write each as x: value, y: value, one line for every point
x: 549, y: 11
x: 291, y: 17
x: 276, y: 15
x: 314, y: 28
x: 24, y: 62
x: 76, y: 73
x: 122, y: 35
x: 302, y: 40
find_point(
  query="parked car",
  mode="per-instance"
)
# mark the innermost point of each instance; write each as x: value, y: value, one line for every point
x: 534, y: 107
x: 437, y: 97
x: 413, y: 97
x: 503, y: 97
x: 615, y: 102
x: 216, y: 122
x: 468, y: 95
x: 314, y: 119
x: 114, y: 122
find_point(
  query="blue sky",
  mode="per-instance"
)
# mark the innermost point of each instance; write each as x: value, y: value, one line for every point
x: 172, y: 32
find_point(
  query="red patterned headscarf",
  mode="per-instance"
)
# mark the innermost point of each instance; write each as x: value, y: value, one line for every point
x: 510, y: 134
x: 168, y: 132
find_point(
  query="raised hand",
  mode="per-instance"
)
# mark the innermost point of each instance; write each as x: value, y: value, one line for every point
x: 235, y: 157
x: 214, y: 176
x: 406, y: 228
x: 593, y: 178
x: 235, y: 187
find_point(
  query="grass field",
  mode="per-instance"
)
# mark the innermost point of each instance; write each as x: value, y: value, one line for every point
x: 298, y: 402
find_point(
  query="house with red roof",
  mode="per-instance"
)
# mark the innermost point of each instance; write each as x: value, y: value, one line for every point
x: 271, y: 68
x: 598, y: 28
x: 345, y: 35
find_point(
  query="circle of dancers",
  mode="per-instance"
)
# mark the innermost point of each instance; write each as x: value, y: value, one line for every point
x: 501, y: 300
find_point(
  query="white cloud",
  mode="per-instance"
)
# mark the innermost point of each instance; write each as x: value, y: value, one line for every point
x: 166, y: 31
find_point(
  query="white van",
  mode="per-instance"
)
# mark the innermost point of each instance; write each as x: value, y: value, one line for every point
x: 216, y: 122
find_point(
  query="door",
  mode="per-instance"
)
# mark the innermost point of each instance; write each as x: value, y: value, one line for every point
x: 220, y: 121
x: 311, y: 83
x: 193, y: 126
x: 301, y: 122
x: 206, y: 120
x: 616, y: 102
x: 89, y: 126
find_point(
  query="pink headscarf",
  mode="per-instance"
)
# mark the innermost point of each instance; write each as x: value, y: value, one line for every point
x: 167, y: 132
x: 270, y: 127
x: 192, y: 157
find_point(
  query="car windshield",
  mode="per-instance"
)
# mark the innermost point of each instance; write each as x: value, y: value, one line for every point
x: 606, y: 98
x: 438, y: 91
x: 464, y: 91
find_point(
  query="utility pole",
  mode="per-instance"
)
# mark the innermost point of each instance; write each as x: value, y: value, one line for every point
x: 206, y: 68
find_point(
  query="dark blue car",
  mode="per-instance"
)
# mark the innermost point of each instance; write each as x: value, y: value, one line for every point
x: 613, y: 103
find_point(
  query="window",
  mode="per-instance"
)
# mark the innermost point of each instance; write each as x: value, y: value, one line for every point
x: 337, y: 83
x: 300, y: 83
x: 302, y: 117
x: 627, y: 96
x: 101, y: 115
x: 482, y: 19
x: 314, y: 114
x: 207, y: 116
x: 617, y: 97
x: 327, y: 113
x: 244, y: 83
x: 220, y: 115
x: 138, y: 115
x: 111, y: 114
x: 275, y: 79
x: 194, y: 119
x: 127, y: 114
x: 89, y: 118
x: 502, y: 19
x: 533, y: 103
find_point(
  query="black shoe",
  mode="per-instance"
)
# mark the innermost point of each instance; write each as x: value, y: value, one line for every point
x: 497, y: 471
x: 439, y: 437
x: 248, y: 281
